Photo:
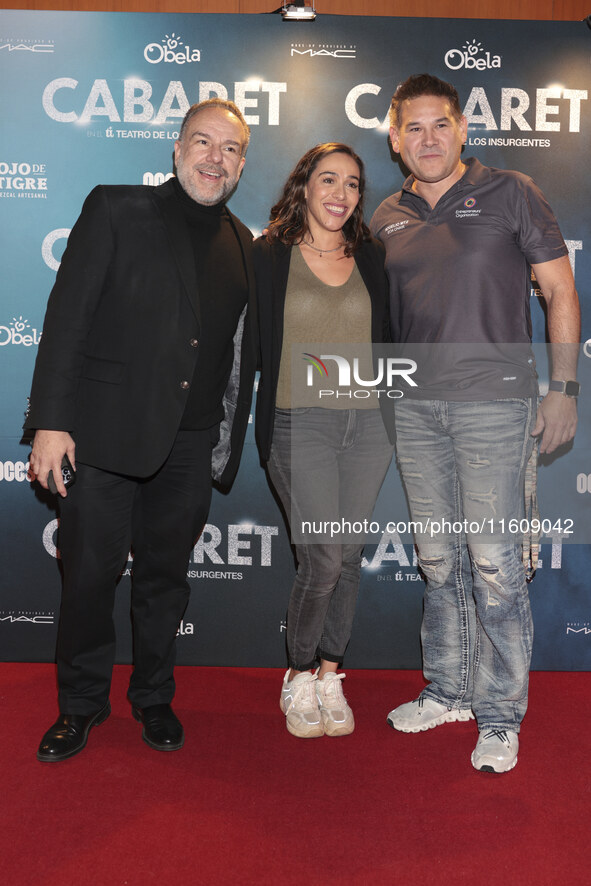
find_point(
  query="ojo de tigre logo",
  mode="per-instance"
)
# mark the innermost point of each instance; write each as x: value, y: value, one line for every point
x: 468, y: 57
x: 22, y: 176
x: 387, y: 370
x: 16, y: 334
x: 171, y: 52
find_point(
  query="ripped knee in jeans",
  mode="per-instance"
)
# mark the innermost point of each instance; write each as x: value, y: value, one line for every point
x: 493, y: 576
x: 436, y: 567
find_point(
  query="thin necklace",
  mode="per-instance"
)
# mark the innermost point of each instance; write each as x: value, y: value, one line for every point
x: 323, y: 251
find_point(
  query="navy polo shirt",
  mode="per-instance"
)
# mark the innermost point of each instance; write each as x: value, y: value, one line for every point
x: 460, y: 281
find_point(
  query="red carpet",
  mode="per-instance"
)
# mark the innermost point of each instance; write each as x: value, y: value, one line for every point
x: 246, y: 803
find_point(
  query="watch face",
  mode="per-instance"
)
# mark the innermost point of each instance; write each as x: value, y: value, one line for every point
x: 572, y: 388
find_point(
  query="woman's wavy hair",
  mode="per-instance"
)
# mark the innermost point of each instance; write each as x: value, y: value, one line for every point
x: 289, y: 222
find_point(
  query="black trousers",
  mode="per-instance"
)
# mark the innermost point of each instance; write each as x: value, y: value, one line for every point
x: 103, y: 517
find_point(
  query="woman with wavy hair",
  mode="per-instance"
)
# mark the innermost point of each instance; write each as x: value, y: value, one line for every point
x: 323, y: 301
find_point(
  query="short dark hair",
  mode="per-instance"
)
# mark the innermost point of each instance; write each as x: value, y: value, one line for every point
x: 226, y: 105
x: 289, y: 222
x: 423, y: 84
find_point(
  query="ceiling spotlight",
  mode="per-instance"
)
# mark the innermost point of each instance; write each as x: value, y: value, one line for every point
x: 294, y: 13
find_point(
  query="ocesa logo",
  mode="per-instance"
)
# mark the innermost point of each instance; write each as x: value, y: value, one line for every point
x: 13, y: 471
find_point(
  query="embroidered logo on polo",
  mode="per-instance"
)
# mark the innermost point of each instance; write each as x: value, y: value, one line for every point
x: 396, y: 227
x: 469, y: 211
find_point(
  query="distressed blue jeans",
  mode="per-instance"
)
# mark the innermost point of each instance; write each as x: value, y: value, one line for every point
x: 327, y: 466
x: 463, y: 467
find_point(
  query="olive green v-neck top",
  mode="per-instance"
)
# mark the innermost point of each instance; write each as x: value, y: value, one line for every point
x: 317, y: 317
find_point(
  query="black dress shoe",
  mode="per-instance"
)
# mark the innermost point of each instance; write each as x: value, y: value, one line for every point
x: 162, y: 730
x: 68, y: 735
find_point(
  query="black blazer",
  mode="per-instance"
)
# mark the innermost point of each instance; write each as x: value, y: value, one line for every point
x: 272, y: 261
x: 119, y: 337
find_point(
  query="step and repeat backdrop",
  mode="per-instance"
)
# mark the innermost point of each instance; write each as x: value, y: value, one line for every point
x: 90, y: 98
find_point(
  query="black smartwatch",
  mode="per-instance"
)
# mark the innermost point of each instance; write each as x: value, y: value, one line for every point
x: 568, y: 388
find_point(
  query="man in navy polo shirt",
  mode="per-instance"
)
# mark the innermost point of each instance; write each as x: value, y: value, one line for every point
x: 460, y: 239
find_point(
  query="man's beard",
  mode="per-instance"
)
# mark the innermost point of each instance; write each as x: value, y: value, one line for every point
x: 204, y: 193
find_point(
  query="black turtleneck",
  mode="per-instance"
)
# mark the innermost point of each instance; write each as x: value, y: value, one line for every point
x: 222, y: 292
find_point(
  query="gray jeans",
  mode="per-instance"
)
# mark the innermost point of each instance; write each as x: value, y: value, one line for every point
x: 464, y: 463
x: 327, y: 466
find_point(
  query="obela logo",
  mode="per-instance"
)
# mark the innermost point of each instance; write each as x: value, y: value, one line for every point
x: 15, y: 334
x: 170, y: 52
x: 466, y: 57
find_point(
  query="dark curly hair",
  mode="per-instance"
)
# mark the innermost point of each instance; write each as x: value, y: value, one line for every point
x: 289, y: 222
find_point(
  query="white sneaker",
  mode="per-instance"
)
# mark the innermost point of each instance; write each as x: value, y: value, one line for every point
x: 425, y: 713
x: 495, y: 751
x: 300, y: 706
x: 337, y: 716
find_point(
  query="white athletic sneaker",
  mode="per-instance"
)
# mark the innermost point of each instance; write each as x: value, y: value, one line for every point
x: 337, y: 716
x: 495, y: 751
x: 424, y: 713
x: 300, y: 706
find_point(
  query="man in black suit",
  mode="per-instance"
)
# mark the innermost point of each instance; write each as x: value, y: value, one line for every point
x: 144, y: 380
